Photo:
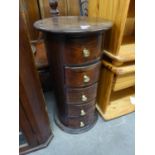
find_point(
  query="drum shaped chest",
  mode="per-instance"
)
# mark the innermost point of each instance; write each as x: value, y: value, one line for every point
x: 74, y: 49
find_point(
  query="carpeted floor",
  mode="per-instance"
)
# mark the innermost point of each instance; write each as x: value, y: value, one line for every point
x: 115, y: 137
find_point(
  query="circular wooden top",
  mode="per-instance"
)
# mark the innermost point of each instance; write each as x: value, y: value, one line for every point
x: 72, y: 24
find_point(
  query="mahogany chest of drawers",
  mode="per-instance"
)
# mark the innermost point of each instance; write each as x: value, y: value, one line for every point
x: 74, y: 48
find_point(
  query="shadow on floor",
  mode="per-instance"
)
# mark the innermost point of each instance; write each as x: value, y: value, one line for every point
x: 115, y: 137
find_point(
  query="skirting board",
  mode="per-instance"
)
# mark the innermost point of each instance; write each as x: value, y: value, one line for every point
x: 116, y: 110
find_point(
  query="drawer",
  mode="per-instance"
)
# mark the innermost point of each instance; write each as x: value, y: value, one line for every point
x: 82, y: 76
x: 81, y: 110
x: 81, y: 95
x: 79, y: 122
x: 79, y: 50
x: 124, y: 81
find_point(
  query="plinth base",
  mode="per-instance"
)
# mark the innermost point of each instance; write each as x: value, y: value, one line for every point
x: 116, y: 110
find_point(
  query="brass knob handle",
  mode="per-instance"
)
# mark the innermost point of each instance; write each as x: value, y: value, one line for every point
x: 84, y: 98
x: 82, y: 112
x: 86, y: 78
x: 86, y: 53
x: 82, y: 124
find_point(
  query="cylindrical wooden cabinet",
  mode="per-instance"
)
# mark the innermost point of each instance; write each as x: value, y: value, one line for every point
x: 74, y: 50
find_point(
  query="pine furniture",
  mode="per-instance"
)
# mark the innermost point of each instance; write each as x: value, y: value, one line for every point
x: 120, y: 43
x: 116, y: 84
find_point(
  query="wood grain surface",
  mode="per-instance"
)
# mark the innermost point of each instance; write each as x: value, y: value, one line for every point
x: 73, y: 72
x: 75, y: 46
x: 91, y: 71
x: 72, y: 24
x: 74, y: 95
x: 32, y: 102
x: 122, y: 13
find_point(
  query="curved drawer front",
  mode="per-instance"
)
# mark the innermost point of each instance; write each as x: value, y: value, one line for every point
x: 82, y: 76
x: 81, y: 95
x: 79, y: 50
x: 81, y: 110
x: 79, y: 122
